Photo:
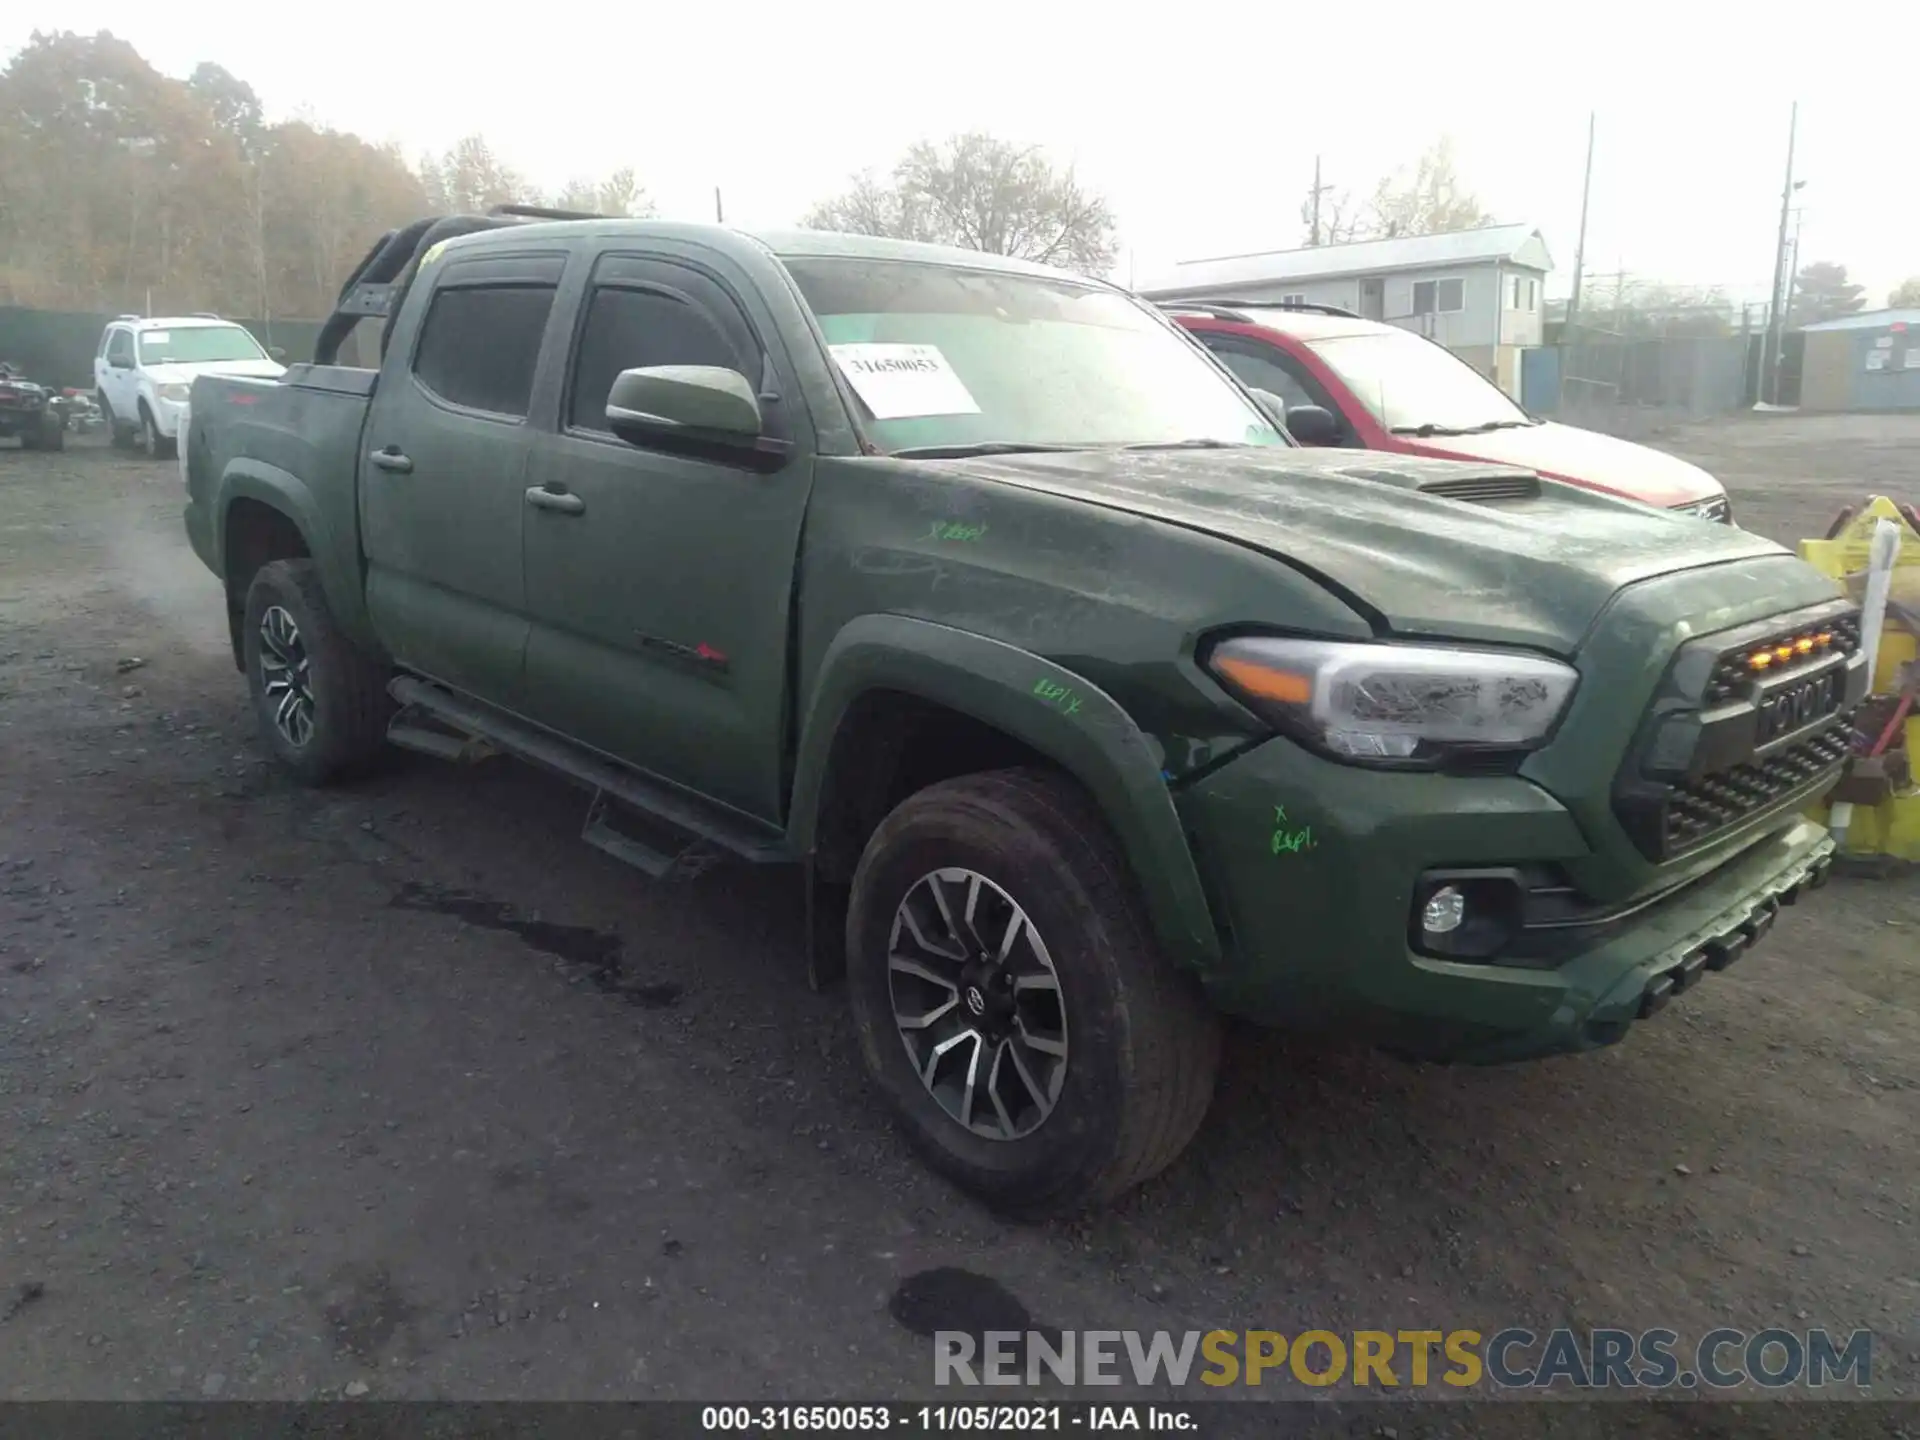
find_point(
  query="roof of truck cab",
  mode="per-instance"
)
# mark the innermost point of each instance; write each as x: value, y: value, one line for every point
x: 786, y: 244
x: 176, y: 322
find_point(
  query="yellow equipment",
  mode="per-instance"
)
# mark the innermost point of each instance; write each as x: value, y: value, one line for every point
x: 1883, y: 792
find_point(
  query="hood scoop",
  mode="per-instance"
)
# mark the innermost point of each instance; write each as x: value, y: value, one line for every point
x: 1485, y: 489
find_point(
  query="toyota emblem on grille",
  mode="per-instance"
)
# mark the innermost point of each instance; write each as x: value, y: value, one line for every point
x: 1788, y: 709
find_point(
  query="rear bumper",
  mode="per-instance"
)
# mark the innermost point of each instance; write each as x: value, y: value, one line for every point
x: 1313, y: 870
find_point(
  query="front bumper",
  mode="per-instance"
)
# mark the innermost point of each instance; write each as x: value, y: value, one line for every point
x: 1312, y: 870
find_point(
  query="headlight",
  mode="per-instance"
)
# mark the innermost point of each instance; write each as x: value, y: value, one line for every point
x: 1719, y: 509
x: 1400, y: 706
x: 176, y: 393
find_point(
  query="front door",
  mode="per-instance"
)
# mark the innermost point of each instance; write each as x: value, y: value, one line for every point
x: 443, y: 474
x: 1373, y: 298
x: 117, y: 380
x: 660, y: 589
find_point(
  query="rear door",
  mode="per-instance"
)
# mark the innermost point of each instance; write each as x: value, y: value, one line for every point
x: 443, y: 472
x: 661, y: 595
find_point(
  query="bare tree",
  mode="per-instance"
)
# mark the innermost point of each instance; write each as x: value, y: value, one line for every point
x: 619, y: 194
x: 1428, y: 200
x: 1905, y: 295
x: 470, y: 179
x: 1341, y: 217
x: 981, y: 193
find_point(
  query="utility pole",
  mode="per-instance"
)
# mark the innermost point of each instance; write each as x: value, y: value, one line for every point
x: 1317, y: 188
x: 1770, y: 351
x: 719, y: 215
x: 1793, y: 274
x: 1580, y: 249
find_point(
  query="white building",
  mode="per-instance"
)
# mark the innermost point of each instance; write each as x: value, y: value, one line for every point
x: 1478, y: 292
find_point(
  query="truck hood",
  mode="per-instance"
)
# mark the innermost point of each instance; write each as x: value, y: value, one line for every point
x: 182, y: 373
x: 1586, y: 457
x: 1534, y: 572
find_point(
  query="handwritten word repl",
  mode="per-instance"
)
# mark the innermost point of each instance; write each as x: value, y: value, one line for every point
x: 954, y: 530
x: 1061, y: 697
x: 1288, y: 841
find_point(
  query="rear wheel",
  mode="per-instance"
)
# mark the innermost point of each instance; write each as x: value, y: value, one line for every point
x: 53, y: 434
x: 1010, y: 1000
x: 320, y: 701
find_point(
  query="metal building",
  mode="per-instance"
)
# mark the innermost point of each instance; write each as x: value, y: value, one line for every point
x: 1868, y: 361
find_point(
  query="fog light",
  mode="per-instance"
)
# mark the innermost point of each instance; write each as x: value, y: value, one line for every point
x: 1444, y: 911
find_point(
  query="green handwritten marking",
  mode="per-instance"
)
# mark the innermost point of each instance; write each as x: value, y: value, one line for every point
x: 1290, y: 842
x: 954, y: 530
x: 1061, y: 697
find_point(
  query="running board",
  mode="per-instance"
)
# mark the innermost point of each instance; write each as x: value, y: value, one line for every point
x: 624, y: 800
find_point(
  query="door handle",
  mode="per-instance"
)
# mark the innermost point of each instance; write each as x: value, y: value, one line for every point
x: 542, y: 498
x: 392, y: 460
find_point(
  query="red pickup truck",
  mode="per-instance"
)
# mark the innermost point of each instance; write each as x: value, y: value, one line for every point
x: 1347, y: 381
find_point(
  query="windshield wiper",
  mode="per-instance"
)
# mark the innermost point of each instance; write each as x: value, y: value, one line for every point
x: 978, y: 447
x: 1430, y: 429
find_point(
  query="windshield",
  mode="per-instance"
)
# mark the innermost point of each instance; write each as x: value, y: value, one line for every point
x: 943, y: 357
x: 194, y: 344
x: 1412, y: 385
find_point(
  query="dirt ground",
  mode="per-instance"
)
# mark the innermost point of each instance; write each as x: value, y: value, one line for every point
x: 401, y: 1090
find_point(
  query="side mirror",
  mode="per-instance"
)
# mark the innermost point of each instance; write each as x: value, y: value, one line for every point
x: 703, y: 409
x: 1274, y: 407
x: 1313, y: 425
x: 121, y: 362
x: 277, y: 352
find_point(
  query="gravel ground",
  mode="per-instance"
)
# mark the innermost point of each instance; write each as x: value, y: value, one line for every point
x: 401, y: 1090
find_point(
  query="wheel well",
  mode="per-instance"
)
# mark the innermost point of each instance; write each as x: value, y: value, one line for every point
x: 256, y: 534
x: 888, y: 746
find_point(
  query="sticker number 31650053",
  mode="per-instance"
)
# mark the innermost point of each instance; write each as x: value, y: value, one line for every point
x: 900, y: 382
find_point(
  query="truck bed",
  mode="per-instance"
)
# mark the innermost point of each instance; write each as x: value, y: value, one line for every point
x: 294, y: 441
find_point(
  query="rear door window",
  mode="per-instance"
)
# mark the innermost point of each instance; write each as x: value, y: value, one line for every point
x: 480, y: 345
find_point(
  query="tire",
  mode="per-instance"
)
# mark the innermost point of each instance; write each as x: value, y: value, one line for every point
x: 29, y: 440
x: 153, y: 444
x: 1141, y: 1051
x: 346, y: 707
x: 53, y: 436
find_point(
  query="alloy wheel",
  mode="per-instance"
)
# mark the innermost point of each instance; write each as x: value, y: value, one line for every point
x: 285, y: 676
x: 978, y: 1004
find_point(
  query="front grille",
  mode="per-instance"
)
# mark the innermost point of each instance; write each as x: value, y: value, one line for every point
x: 1698, y: 810
x: 1745, y: 722
x: 1484, y: 489
x: 1734, y: 674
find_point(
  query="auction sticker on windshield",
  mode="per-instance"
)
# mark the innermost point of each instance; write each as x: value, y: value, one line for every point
x: 900, y: 382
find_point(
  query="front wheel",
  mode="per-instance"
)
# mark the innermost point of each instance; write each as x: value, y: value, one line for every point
x: 153, y: 444
x: 320, y: 701
x: 1010, y: 1000
x: 119, y: 434
x: 53, y: 434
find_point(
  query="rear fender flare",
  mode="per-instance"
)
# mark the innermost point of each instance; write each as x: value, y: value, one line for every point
x: 1046, y: 707
x: 285, y: 492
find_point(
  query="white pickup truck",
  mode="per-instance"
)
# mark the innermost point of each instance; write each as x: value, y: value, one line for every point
x: 145, y: 367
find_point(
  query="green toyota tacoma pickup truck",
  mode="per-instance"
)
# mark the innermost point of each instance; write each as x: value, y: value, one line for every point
x: 1091, y: 706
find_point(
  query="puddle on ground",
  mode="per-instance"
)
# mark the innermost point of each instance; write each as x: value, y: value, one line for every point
x: 599, y: 952
x: 951, y: 1299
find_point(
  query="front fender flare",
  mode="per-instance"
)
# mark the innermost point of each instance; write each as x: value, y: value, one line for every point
x: 1045, y: 706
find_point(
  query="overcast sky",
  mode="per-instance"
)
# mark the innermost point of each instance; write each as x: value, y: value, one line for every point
x: 1200, y: 122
